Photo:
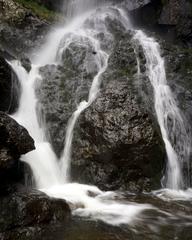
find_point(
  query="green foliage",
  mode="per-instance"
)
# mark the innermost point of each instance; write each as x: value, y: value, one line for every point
x: 40, y: 10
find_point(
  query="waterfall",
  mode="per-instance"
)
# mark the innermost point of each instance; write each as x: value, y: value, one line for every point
x: 85, y: 24
x: 173, y: 127
x: 43, y: 160
x: 51, y: 174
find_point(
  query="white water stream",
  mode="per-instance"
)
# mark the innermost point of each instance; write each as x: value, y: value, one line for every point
x: 52, y: 174
x: 172, y: 125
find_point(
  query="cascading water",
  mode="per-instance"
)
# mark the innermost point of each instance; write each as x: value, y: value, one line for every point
x: 43, y: 160
x: 50, y: 173
x: 174, y: 132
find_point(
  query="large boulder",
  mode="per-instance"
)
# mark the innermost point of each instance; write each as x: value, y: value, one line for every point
x: 117, y: 145
x: 14, y: 141
x: 30, y: 209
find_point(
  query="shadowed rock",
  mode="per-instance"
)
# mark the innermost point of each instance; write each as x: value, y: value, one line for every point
x: 24, y: 209
x: 9, y: 86
x: 14, y: 141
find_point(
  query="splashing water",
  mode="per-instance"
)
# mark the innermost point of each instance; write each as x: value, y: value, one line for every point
x: 173, y: 128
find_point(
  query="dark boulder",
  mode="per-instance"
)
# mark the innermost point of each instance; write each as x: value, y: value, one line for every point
x: 117, y: 146
x: 14, y: 141
x: 29, y: 209
x: 14, y: 136
x: 9, y: 86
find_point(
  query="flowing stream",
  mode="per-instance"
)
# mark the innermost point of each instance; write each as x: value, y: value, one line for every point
x: 52, y: 175
x: 173, y: 127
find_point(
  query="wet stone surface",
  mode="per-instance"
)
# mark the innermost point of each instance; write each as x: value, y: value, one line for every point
x: 171, y: 221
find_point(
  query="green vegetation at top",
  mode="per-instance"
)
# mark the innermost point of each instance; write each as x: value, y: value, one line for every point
x: 40, y: 10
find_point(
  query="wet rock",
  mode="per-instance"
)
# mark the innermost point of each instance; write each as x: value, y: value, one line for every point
x: 14, y: 136
x: 26, y: 63
x: 9, y: 86
x: 179, y: 69
x: 14, y: 141
x: 178, y: 14
x: 117, y: 146
x: 63, y: 87
x: 30, y: 209
x: 171, y: 19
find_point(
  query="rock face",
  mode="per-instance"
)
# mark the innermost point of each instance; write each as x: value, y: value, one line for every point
x: 14, y: 141
x: 118, y: 147
x: 179, y: 70
x: 20, y: 29
x: 9, y: 87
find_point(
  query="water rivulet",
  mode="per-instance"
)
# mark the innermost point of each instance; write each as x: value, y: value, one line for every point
x: 85, y: 44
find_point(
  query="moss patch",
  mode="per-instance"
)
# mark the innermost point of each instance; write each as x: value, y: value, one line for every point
x: 39, y: 10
